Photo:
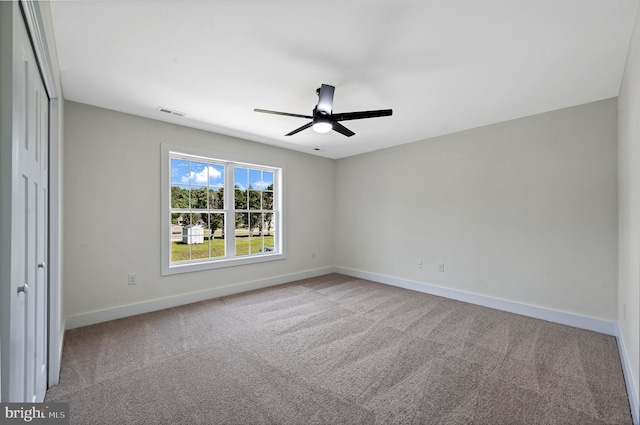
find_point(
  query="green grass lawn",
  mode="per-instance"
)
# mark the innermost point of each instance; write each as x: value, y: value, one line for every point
x: 215, y: 248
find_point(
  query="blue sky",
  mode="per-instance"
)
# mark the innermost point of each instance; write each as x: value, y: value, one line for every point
x: 194, y: 173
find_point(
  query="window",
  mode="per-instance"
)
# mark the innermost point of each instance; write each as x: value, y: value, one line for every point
x: 218, y: 213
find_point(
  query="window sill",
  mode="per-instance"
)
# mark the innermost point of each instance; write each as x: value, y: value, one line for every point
x: 208, y: 264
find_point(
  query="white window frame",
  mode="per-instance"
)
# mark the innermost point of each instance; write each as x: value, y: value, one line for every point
x: 169, y: 267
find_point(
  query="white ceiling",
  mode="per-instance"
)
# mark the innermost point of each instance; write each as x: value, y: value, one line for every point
x: 442, y: 65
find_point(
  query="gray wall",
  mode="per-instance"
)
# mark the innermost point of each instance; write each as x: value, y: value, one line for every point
x: 629, y: 211
x: 524, y: 210
x: 112, y: 210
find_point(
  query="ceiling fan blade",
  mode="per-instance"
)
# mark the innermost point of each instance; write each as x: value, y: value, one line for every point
x: 287, y: 114
x: 360, y: 115
x: 325, y: 101
x: 299, y: 129
x: 342, y: 129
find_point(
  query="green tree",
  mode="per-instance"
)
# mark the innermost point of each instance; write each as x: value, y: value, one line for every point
x: 179, y: 199
x: 240, y: 200
x: 216, y: 202
x: 199, y: 198
x: 255, y: 203
x: 267, y: 204
x: 216, y: 199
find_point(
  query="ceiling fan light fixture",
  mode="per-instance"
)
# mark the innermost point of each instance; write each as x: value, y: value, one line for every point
x: 322, y: 122
x: 322, y: 126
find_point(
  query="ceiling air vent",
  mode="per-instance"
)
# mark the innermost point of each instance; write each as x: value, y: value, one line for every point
x: 170, y: 111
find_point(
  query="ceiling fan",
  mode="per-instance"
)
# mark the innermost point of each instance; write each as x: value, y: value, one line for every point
x: 323, y: 120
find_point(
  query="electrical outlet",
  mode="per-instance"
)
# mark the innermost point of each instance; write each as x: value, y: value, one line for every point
x: 441, y: 267
x: 419, y: 264
x: 132, y: 279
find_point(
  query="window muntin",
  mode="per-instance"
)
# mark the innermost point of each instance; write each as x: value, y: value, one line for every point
x: 221, y: 213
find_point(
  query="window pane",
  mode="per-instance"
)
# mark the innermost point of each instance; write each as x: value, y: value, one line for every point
x: 267, y: 180
x: 199, y: 245
x: 196, y: 244
x: 255, y: 224
x: 242, y: 234
x: 267, y: 200
x: 241, y: 176
x: 216, y: 199
x: 186, y: 219
x: 199, y: 197
x: 216, y: 175
x: 268, y: 224
x: 269, y: 231
x: 255, y: 245
x: 255, y: 200
x: 179, y: 251
x: 179, y: 196
x: 255, y: 234
x: 215, y: 233
x: 176, y: 232
x: 255, y: 179
x: 241, y: 199
x: 179, y: 171
x: 199, y: 173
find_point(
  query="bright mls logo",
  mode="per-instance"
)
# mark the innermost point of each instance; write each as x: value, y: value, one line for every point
x: 36, y: 413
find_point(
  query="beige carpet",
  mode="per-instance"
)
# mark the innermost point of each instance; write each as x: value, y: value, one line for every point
x: 339, y: 350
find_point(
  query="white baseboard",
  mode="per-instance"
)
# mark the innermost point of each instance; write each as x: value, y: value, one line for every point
x: 632, y: 388
x: 105, y: 315
x: 543, y: 313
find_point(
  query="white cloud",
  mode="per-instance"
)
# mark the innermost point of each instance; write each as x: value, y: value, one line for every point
x: 202, y: 177
x: 261, y: 185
